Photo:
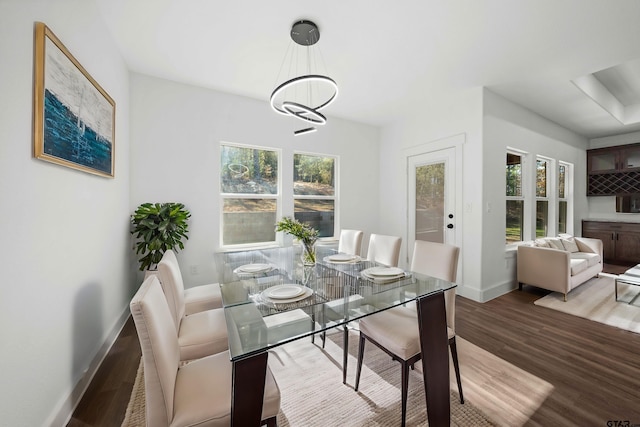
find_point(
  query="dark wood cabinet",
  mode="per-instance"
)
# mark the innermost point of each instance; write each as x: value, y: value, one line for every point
x: 613, y: 170
x: 620, y: 158
x: 621, y: 240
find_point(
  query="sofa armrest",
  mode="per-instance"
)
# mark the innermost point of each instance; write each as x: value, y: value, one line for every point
x: 544, y: 267
x: 587, y: 244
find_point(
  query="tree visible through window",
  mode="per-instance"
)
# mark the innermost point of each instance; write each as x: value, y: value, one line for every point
x: 542, y: 202
x: 515, y: 199
x: 314, y: 193
x: 249, y: 192
x: 562, y: 197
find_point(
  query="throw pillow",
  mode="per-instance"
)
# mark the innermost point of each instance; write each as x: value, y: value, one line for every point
x: 541, y: 243
x: 570, y: 244
x: 555, y: 243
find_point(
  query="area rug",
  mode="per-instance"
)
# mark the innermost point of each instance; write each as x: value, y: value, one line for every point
x: 310, y: 380
x: 595, y: 300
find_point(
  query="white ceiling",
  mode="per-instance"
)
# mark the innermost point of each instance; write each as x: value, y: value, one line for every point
x: 388, y: 57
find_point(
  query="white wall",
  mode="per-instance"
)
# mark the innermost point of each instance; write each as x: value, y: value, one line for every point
x: 176, y: 131
x: 65, y: 257
x: 438, y: 117
x: 509, y: 125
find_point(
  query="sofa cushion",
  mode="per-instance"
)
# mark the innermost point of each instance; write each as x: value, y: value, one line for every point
x: 570, y: 244
x: 578, y: 265
x: 592, y: 259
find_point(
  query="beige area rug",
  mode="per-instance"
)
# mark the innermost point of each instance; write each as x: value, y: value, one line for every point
x: 595, y: 300
x: 310, y: 380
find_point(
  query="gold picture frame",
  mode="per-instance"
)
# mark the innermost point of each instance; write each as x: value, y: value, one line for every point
x: 74, y: 118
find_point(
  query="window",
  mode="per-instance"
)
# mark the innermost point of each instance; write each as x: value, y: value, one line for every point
x: 542, y: 201
x: 515, y: 198
x: 250, y: 193
x: 539, y: 197
x: 314, y: 191
x: 564, y: 173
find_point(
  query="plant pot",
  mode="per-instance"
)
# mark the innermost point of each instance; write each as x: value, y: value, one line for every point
x: 308, y: 255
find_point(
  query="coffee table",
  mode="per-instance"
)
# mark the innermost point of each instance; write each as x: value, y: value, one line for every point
x: 630, y: 277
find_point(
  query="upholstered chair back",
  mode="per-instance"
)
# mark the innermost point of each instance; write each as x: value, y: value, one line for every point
x: 384, y: 249
x: 350, y: 242
x: 172, y: 285
x: 160, y: 351
x: 438, y: 260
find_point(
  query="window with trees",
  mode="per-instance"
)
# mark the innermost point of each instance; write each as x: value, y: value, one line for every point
x: 250, y: 193
x: 314, y: 191
x: 563, y: 196
x: 542, y: 199
x: 543, y: 187
x: 515, y: 198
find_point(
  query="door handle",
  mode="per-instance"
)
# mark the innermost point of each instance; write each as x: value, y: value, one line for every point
x: 449, y: 225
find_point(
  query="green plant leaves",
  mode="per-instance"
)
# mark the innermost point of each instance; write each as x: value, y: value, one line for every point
x: 159, y: 227
x: 303, y: 232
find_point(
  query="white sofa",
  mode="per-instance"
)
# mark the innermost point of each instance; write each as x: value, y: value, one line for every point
x: 559, y: 264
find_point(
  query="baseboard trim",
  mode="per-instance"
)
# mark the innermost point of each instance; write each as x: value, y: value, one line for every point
x: 484, y: 295
x: 64, y: 411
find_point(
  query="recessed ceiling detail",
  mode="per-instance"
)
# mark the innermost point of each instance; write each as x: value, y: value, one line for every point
x: 616, y: 90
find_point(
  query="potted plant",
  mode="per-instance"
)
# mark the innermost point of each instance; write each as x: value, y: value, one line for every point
x: 306, y: 234
x: 158, y: 227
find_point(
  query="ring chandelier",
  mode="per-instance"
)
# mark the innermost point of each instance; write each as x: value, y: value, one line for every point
x: 305, y: 92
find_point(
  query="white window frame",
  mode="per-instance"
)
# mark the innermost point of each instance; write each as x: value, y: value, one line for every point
x: 336, y: 189
x: 524, y: 193
x: 550, y: 191
x: 568, y: 194
x: 277, y: 197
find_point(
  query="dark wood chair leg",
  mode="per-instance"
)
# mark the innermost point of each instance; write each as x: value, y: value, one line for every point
x: 345, y: 353
x: 405, y: 389
x: 360, y: 357
x: 271, y: 422
x: 456, y: 366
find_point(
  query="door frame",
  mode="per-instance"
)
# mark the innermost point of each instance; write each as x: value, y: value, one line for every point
x: 456, y: 143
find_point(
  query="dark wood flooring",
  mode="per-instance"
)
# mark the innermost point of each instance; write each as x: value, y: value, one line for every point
x: 105, y: 401
x: 594, y: 368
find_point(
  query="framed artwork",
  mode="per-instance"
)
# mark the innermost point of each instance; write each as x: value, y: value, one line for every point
x: 74, y: 118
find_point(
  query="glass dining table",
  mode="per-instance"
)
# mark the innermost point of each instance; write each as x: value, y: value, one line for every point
x: 270, y: 298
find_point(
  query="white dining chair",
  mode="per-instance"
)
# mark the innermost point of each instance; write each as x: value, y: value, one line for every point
x: 384, y: 249
x: 197, y: 298
x: 396, y: 330
x: 350, y: 242
x: 195, y: 393
x: 199, y: 334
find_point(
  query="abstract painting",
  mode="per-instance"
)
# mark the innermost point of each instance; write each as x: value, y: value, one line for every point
x: 74, y: 118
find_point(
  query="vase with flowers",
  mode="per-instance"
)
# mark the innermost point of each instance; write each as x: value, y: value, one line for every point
x: 306, y: 234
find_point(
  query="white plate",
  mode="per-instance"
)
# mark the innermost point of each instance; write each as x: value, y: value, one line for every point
x: 367, y: 274
x: 307, y: 293
x: 254, y: 268
x: 342, y: 258
x: 385, y: 271
x: 284, y: 291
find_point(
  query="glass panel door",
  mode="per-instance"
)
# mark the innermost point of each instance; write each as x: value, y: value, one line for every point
x: 429, y: 210
x: 432, y: 215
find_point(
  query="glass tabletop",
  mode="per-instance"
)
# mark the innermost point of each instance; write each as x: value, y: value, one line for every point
x: 264, y: 311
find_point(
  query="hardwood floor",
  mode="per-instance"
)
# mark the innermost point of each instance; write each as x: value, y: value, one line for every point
x: 105, y: 401
x: 594, y: 368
